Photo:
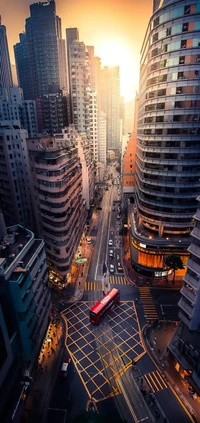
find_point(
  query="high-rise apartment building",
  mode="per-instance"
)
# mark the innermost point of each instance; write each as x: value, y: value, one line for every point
x: 79, y: 86
x: 5, y: 67
x: 88, y: 169
x: 185, y: 345
x: 14, y: 175
x: 102, y: 142
x: 168, y: 150
x: 24, y: 312
x: 110, y: 104
x: 72, y: 34
x: 45, y: 51
x: 14, y: 107
x: 53, y: 112
x: 59, y: 209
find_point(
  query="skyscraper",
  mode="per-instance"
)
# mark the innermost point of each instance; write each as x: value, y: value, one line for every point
x: 23, y: 66
x: 71, y: 35
x: 168, y: 149
x: 5, y: 67
x: 45, y: 53
x: 110, y: 104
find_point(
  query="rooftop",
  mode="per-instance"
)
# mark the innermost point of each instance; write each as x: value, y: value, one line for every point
x: 12, y: 245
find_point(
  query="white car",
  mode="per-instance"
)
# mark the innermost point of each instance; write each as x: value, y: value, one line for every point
x: 88, y: 240
x: 118, y: 216
x: 118, y: 257
x: 112, y: 268
x: 111, y: 253
x: 110, y: 242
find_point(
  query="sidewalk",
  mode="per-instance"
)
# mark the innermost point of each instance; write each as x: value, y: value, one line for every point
x: 157, y: 339
x: 45, y: 374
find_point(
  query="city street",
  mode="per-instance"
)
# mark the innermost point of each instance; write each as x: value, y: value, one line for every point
x: 102, y: 355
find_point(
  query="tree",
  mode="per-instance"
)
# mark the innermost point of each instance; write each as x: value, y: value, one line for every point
x: 174, y: 262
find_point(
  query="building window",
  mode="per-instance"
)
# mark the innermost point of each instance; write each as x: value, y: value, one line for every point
x: 183, y: 43
x: 156, y: 22
x: 181, y: 60
x: 185, y: 27
x: 187, y: 10
x: 168, y: 31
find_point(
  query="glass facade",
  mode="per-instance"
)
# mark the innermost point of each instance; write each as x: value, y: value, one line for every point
x: 168, y: 147
x: 168, y: 139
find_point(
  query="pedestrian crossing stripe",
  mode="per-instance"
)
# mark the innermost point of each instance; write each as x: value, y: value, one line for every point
x: 155, y: 381
x: 150, y: 311
x: 117, y: 280
x: 94, y: 286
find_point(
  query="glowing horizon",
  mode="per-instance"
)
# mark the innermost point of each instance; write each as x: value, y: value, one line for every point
x: 116, y: 30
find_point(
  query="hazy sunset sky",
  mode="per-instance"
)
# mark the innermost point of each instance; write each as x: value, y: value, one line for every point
x: 115, y: 27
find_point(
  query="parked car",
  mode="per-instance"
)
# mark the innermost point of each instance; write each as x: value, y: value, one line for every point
x: 88, y: 240
x: 118, y: 257
x: 118, y: 216
x: 110, y: 242
x: 65, y: 367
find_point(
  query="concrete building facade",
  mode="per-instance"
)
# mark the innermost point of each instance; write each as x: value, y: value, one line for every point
x: 59, y: 209
x: 110, y: 104
x: 14, y: 107
x: 185, y: 345
x: 88, y: 169
x: 14, y: 175
x: 25, y: 310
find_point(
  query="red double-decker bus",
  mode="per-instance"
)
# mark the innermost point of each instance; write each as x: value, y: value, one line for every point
x: 104, y: 306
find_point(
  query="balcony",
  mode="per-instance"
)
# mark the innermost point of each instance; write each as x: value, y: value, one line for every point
x: 194, y: 249
x: 195, y: 267
x: 196, y: 231
x: 194, y: 283
x: 188, y: 294
x: 186, y: 307
x: 197, y: 215
x: 184, y: 319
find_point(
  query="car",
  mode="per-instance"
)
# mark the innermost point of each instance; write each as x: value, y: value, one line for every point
x: 119, y: 267
x: 65, y: 367
x: 111, y: 253
x: 118, y: 216
x: 112, y: 268
x: 88, y: 240
x: 110, y: 242
x: 118, y: 257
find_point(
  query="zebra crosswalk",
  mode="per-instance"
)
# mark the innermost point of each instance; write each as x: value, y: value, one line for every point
x: 94, y: 286
x: 118, y: 280
x: 148, y: 304
x: 100, y: 286
x: 155, y: 381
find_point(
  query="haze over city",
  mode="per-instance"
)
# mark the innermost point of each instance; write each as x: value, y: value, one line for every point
x: 115, y: 28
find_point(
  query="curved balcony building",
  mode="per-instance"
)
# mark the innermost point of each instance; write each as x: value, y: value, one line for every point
x: 168, y: 142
